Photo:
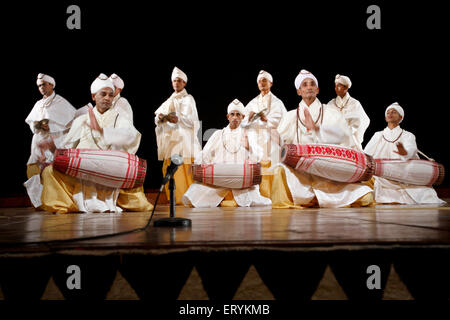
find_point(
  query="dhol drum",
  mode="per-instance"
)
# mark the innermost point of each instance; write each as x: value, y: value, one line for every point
x: 414, y: 171
x: 329, y: 161
x: 116, y: 169
x: 228, y: 175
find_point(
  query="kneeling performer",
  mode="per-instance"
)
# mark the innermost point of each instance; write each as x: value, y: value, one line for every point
x: 398, y: 167
x: 314, y: 123
x: 228, y: 167
x: 102, y: 128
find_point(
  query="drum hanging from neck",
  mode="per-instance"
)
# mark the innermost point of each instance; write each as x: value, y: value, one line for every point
x: 116, y: 169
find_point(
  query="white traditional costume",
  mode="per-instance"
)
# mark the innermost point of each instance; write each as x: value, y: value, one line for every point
x: 62, y: 193
x: 59, y: 113
x: 293, y: 189
x: 178, y: 138
x: 226, y: 146
x: 352, y: 110
x: 263, y: 133
x: 120, y: 103
x: 382, y: 145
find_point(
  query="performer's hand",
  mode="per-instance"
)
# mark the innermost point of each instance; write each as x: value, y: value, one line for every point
x: 309, y: 122
x: 93, y: 121
x: 263, y: 117
x: 47, y: 145
x: 400, y: 149
x: 172, y: 117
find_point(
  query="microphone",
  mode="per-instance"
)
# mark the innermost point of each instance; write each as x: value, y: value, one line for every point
x: 175, y: 161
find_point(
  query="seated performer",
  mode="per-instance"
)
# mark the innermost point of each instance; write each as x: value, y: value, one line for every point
x: 262, y: 116
x: 312, y: 123
x: 101, y: 128
x: 229, y: 145
x: 396, y: 143
x: 120, y: 103
x: 351, y: 108
x: 176, y: 133
x: 50, y: 119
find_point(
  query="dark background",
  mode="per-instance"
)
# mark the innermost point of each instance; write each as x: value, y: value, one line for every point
x: 221, y: 46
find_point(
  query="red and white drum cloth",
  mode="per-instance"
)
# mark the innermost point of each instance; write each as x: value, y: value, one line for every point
x: 116, y: 169
x: 228, y: 175
x: 329, y: 161
x: 413, y: 171
x: 348, y: 165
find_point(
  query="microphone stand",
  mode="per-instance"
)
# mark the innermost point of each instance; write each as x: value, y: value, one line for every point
x: 172, y: 221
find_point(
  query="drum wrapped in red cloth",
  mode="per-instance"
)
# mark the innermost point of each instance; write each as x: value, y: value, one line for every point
x: 329, y: 161
x: 117, y: 169
x: 414, y: 171
x: 228, y: 175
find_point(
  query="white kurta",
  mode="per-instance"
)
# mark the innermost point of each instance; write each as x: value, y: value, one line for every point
x: 383, y: 145
x: 118, y: 134
x: 56, y: 109
x: 333, y: 130
x: 60, y: 114
x: 181, y: 137
x: 355, y: 115
x: 259, y: 132
x: 122, y: 106
x: 225, y: 146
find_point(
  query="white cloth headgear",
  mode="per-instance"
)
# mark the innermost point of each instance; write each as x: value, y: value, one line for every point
x: 236, y: 105
x: 397, y: 107
x: 102, y: 81
x: 177, y: 73
x: 264, y: 74
x: 43, y: 77
x: 117, y: 81
x: 304, y: 74
x: 344, y: 80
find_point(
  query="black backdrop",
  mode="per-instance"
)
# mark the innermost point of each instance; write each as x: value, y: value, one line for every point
x: 222, y: 46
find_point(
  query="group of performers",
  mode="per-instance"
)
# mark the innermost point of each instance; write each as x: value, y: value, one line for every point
x: 266, y: 156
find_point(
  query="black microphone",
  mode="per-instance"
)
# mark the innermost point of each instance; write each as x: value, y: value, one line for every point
x: 175, y: 161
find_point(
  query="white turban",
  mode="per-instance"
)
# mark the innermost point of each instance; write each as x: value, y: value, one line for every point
x: 302, y: 76
x: 117, y: 81
x: 397, y: 107
x: 264, y: 74
x: 102, y: 81
x: 343, y: 80
x: 236, y: 105
x: 177, y: 73
x: 43, y: 77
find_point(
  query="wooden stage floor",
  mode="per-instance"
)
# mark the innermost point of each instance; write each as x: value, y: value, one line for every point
x: 283, y: 249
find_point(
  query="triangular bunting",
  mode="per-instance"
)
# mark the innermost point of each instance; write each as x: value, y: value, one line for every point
x: 253, y: 288
x: 193, y: 288
x: 329, y: 288
x: 121, y: 289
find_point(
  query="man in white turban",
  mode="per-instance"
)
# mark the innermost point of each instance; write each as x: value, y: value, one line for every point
x: 49, y: 120
x: 396, y: 143
x: 120, y: 103
x: 229, y: 145
x: 176, y: 129
x: 351, y: 108
x: 101, y: 128
x: 263, y: 114
x: 312, y: 123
